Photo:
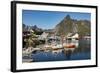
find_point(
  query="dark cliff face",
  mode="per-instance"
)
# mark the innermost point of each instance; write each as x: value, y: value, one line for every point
x: 67, y: 25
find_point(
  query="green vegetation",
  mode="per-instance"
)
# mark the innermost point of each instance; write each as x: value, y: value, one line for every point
x: 67, y: 24
x: 83, y: 28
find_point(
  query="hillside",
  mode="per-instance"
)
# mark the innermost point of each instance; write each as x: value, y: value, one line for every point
x: 69, y: 25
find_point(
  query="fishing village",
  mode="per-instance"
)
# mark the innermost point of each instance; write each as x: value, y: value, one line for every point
x: 49, y: 41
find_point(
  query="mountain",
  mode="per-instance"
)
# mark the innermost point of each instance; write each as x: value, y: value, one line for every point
x: 69, y: 25
x: 66, y: 26
x: 36, y: 30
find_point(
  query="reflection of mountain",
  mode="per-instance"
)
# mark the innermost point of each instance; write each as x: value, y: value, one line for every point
x: 68, y: 25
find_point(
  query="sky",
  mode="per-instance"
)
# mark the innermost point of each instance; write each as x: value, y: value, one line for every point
x: 49, y: 19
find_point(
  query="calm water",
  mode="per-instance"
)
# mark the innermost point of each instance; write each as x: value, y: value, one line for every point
x: 80, y: 53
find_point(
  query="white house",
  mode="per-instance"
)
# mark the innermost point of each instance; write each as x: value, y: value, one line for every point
x: 43, y: 36
x: 73, y: 36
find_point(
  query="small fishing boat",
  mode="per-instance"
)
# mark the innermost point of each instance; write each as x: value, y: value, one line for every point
x: 47, y: 48
x: 69, y: 46
x: 57, y: 48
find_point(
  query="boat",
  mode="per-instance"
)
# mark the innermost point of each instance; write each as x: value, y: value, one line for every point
x: 70, y: 45
x: 57, y: 48
x: 47, y: 48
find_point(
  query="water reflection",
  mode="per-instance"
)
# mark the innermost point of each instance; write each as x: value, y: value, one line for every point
x: 80, y: 52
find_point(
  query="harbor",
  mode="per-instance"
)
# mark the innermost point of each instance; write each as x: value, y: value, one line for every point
x: 65, y: 51
x: 67, y: 40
